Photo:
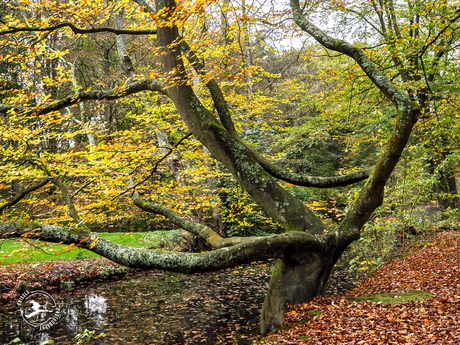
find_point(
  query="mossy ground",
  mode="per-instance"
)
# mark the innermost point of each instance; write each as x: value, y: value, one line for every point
x: 394, y: 297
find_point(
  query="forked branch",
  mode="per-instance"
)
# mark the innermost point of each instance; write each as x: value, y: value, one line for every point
x: 204, y: 232
x: 216, y: 93
x: 398, y: 98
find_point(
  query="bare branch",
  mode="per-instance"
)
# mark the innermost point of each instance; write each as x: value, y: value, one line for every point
x: 26, y: 191
x: 77, y: 30
x: 363, y: 17
x: 152, y: 171
x: 119, y: 92
x: 82, y: 187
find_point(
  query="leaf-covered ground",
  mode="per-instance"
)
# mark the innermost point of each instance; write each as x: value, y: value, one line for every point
x: 431, y: 265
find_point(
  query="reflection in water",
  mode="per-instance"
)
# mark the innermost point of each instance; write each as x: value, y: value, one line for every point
x: 156, y: 309
x: 69, y: 314
x: 96, y: 307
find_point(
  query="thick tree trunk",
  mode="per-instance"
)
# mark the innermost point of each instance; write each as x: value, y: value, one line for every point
x: 225, y: 145
x: 295, y: 280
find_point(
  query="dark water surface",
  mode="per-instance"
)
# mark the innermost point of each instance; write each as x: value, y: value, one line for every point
x: 156, y: 308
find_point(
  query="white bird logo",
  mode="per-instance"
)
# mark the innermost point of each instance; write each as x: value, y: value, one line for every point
x: 37, y: 309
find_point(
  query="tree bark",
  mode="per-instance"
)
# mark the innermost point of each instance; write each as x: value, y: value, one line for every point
x: 301, y: 275
x: 294, y: 280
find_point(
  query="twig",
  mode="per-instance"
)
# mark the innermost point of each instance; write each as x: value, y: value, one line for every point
x: 24, y: 193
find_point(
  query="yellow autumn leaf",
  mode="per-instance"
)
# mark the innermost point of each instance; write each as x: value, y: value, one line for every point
x: 93, y: 244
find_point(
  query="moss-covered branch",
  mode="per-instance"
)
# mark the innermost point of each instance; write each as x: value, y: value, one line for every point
x: 309, y: 181
x: 371, y: 195
x: 206, y: 233
x: 279, y: 204
x: 216, y: 93
x: 276, y: 246
x: 400, y: 99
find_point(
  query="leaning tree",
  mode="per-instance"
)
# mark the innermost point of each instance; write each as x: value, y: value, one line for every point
x: 308, y: 249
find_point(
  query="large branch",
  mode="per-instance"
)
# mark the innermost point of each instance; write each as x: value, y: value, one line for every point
x: 116, y: 93
x: 216, y: 93
x: 397, y: 97
x: 371, y: 196
x: 310, y: 181
x: 225, y: 117
x: 276, y: 246
x: 206, y: 233
x: 279, y: 204
x: 77, y: 30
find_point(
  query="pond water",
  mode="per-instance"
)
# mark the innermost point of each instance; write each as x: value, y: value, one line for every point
x: 156, y: 308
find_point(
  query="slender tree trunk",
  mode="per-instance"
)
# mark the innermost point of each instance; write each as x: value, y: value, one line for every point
x: 447, y: 189
x: 212, y: 183
x: 81, y: 106
x: 123, y: 57
x: 108, y: 104
x: 172, y: 162
x: 248, y: 51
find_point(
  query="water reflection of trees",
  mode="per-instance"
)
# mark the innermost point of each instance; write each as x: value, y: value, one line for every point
x: 179, y: 309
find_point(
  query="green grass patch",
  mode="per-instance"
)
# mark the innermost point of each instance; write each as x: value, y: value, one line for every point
x: 21, y: 251
x: 394, y: 297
